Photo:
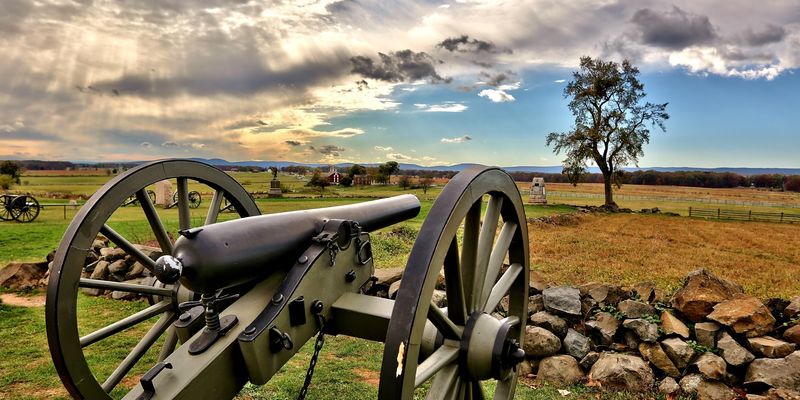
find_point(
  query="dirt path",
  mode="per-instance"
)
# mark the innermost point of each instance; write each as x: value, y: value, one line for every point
x: 22, y: 301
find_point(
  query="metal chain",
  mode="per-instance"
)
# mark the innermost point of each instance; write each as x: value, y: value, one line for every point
x: 317, y: 348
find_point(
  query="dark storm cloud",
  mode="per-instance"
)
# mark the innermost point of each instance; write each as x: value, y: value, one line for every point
x: 13, y: 14
x: 398, y: 66
x: 293, y: 143
x: 128, y: 137
x: 674, y: 29
x: 328, y: 150
x: 770, y: 34
x: 27, y: 134
x: 464, y: 44
x: 497, y: 79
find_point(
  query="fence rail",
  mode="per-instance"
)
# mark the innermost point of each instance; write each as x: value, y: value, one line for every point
x: 740, y: 215
x: 555, y: 193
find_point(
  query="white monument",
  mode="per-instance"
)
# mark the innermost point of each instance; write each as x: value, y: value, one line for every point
x: 164, y: 193
x: 538, y: 192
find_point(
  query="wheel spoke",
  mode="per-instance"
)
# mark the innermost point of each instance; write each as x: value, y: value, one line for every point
x: 440, y: 358
x: 125, y: 287
x: 505, y: 388
x: 155, y: 222
x: 485, y: 242
x: 496, y: 259
x: 138, y: 351
x: 456, y: 306
x: 445, y: 384
x: 128, y: 247
x: 126, y: 323
x: 502, y: 287
x: 477, y: 391
x: 169, y: 344
x: 472, y: 226
x: 184, y: 214
x: 443, y: 324
x: 213, y: 209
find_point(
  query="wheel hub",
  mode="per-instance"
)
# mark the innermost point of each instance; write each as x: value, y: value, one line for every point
x: 489, y: 348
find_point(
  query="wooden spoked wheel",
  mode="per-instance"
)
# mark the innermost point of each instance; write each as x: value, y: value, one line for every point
x: 194, y: 199
x: 78, y: 338
x: 25, y: 208
x: 471, y: 353
x: 5, y: 207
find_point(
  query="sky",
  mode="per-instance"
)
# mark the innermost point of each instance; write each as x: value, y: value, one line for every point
x: 425, y: 82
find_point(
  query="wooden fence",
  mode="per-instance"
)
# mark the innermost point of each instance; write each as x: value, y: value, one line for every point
x: 741, y: 215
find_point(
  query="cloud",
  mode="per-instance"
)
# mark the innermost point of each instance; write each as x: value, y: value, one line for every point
x: 328, y: 150
x: 146, y: 145
x: 381, y: 148
x: 293, y: 143
x: 445, y: 107
x: 464, y: 44
x: 770, y: 34
x: 169, y: 144
x: 703, y: 60
x: 496, y: 96
x: 14, y: 126
x: 398, y: 66
x: 675, y: 29
x: 398, y: 156
x: 460, y: 139
x: 559, y: 81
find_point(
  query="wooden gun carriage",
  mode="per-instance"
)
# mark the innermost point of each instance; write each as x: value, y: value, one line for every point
x: 235, y: 300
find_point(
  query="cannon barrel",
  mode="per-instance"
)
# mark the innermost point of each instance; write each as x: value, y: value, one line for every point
x: 235, y: 252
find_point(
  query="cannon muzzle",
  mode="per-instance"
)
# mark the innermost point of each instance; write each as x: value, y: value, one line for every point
x: 231, y: 253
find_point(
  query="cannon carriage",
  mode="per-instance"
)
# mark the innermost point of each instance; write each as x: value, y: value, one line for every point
x: 236, y: 299
x: 19, y: 208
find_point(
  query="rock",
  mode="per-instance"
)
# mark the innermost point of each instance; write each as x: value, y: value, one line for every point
x: 98, y: 244
x: 701, y: 291
x: 779, y: 373
x: 635, y: 309
x: 540, y: 342
x: 706, y: 333
x: 622, y: 372
x: 792, y: 334
x: 605, y: 325
x: 439, y: 298
x: 576, y: 344
x: 793, y: 309
x: 525, y: 369
x: 388, y: 276
x: 782, y: 394
x: 561, y: 370
x: 602, y: 293
x: 152, y: 252
x: 744, y: 314
x: 711, y: 366
x: 655, y: 354
x: 668, y: 386
x: 550, y: 322
x: 770, y: 347
x: 648, y: 292
x: 689, y: 384
x: 136, y: 271
x: 535, y: 304
x: 100, y: 270
x: 733, y: 353
x: 562, y: 299
x: 710, y: 390
x: 441, y: 283
x: 673, y: 326
x: 22, y: 275
x: 393, y: 288
x: 92, y: 291
x: 119, y: 295
x: 776, y: 306
x: 646, y: 331
x: 537, y: 282
x: 678, y: 351
x: 631, y: 340
x: 112, y: 254
x: 587, y: 362
x: 118, y: 269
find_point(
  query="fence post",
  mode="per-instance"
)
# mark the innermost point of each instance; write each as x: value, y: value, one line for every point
x: 750, y: 216
x: 781, y: 216
x: 65, y: 212
x: 690, y: 211
x: 719, y: 213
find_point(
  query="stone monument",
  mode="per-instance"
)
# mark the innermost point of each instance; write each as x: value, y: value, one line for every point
x: 164, y: 193
x: 274, y: 184
x: 538, y: 192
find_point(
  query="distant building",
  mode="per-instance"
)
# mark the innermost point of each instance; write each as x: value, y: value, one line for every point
x: 362, y: 180
x: 333, y: 176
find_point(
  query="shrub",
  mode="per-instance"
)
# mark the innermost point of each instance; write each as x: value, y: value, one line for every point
x: 6, y: 181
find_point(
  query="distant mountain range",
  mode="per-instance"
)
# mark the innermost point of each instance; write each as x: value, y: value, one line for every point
x: 555, y: 169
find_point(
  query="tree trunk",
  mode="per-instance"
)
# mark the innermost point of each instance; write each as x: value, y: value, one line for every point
x: 609, y: 192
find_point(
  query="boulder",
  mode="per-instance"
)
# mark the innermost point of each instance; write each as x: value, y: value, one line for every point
x: 733, y: 353
x: 563, y: 300
x: 535, y: 304
x: 112, y: 254
x: 602, y: 293
x: 605, y: 326
x: 646, y: 331
x: 540, y: 342
x: 655, y: 354
x: 673, y: 326
x: 22, y: 275
x: 561, y: 370
x: 706, y: 333
x: 700, y: 292
x: 782, y: 394
x: 771, y: 347
x: 98, y: 244
x: 100, y: 270
x: 711, y: 366
x: 635, y: 309
x: 393, y: 288
x: 631, y: 340
x: 779, y: 373
x: 550, y: 322
x: 119, y: 295
x: 152, y: 252
x: 645, y: 290
x: 537, y: 283
x: 678, y: 351
x: 388, y: 276
x: 439, y: 298
x: 711, y: 390
x: 576, y: 344
x: 793, y: 309
x: 136, y: 270
x: 525, y: 369
x: 668, y: 386
x: 745, y: 315
x: 622, y: 372
x: 587, y: 362
x: 689, y: 384
x: 792, y: 334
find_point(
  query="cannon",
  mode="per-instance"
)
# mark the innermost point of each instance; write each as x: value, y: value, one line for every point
x: 235, y: 300
x: 19, y: 208
x: 194, y: 199
x: 132, y: 200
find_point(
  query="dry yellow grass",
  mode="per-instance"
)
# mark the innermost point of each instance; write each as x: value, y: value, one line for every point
x: 625, y: 249
x: 736, y: 194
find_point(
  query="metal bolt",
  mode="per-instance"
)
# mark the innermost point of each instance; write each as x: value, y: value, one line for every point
x: 250, y: 330
x: 185, y: 317
x: 350, y: 276
x: 302, y: 260
x: 277, y: 298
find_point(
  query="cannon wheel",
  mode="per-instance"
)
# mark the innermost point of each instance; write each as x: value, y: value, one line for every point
x: 194, y: 199
x: 25, y: 208
x: 66, y: 346
x: 475, y: 286
x: 6, y: 212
